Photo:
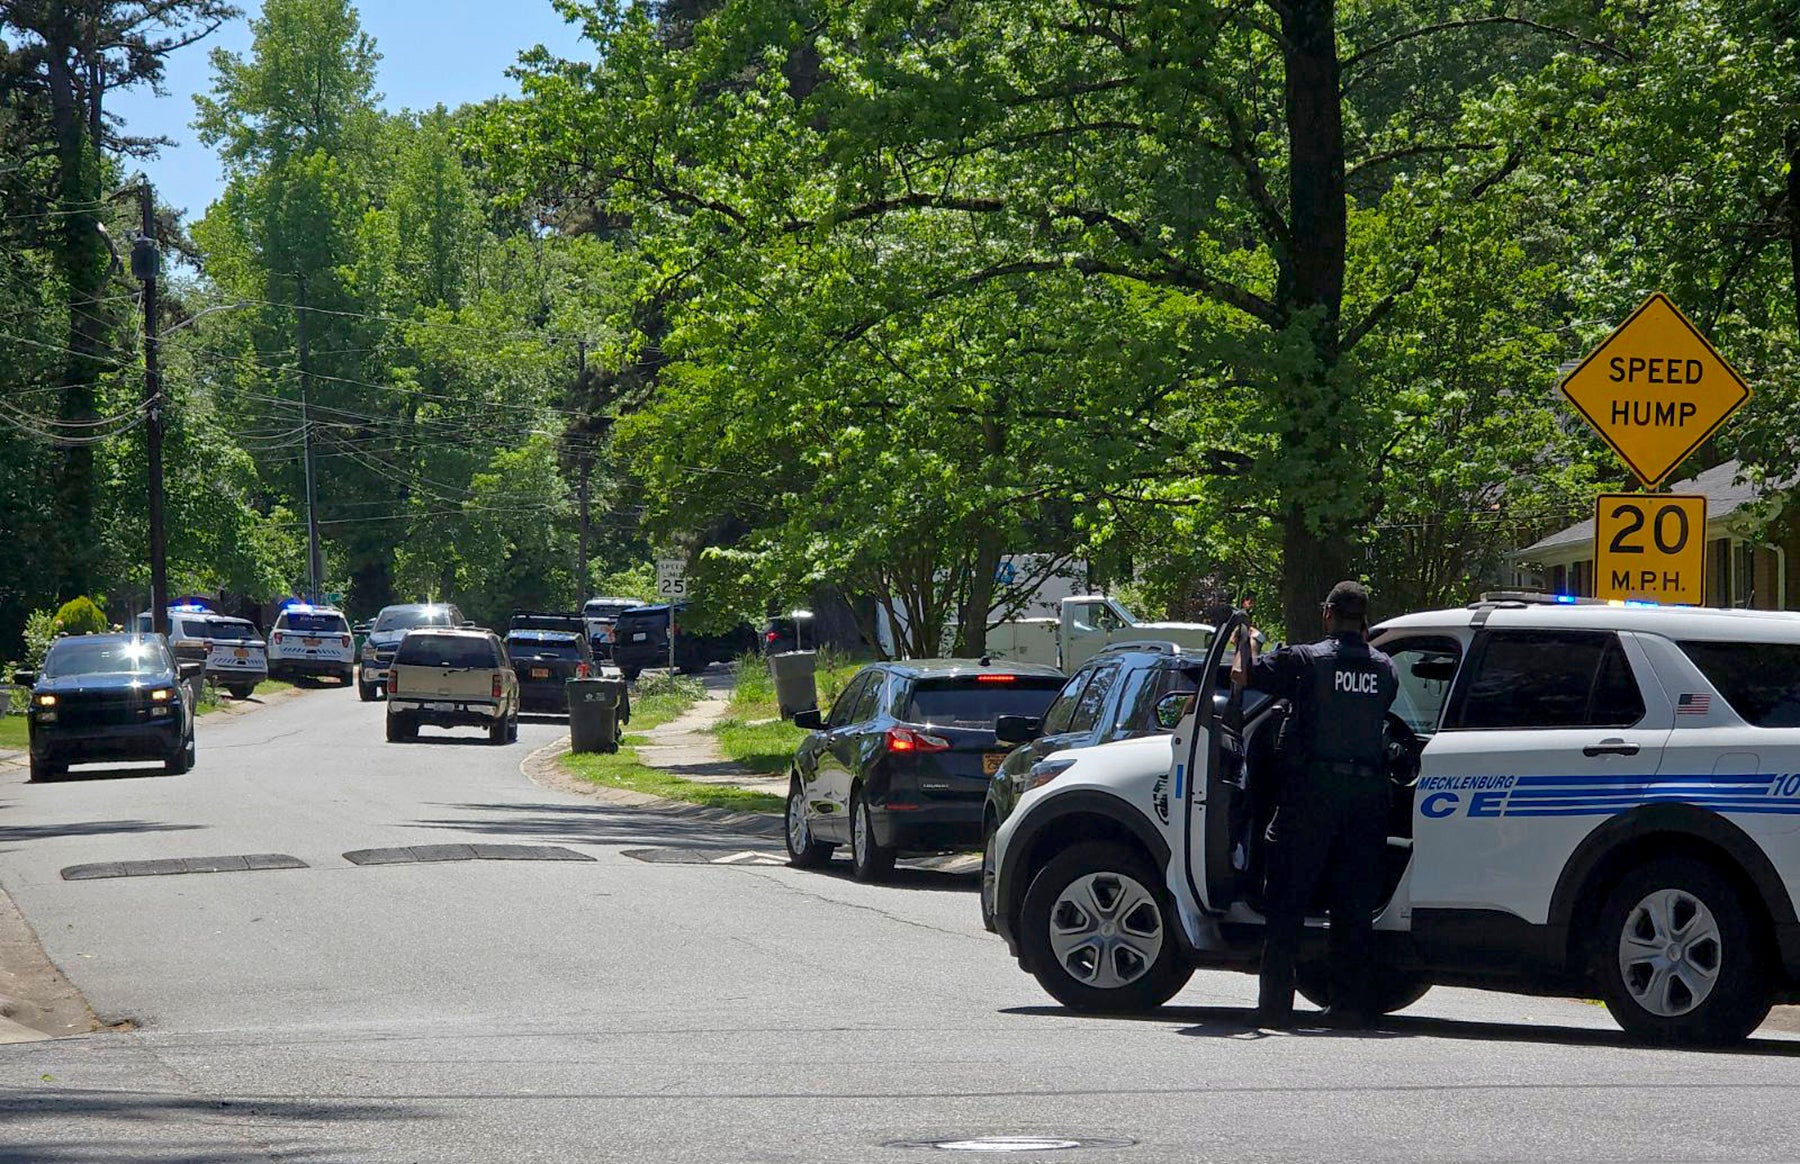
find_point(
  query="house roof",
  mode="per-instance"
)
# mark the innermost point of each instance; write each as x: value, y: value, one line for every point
x: 1725, y: 494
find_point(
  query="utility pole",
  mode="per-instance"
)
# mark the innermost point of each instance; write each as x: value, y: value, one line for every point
x: 144, y: 263
x: 315, y: 567
x: 584, y: 468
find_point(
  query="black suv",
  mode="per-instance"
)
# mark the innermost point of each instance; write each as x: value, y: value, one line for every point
x: 546, y: 653
x: 110, y: 697
x: 1112, y: 696
x: 900, y: 763
x: 641, y: 640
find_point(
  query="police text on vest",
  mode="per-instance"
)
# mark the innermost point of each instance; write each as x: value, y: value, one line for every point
x: 1356, y: 682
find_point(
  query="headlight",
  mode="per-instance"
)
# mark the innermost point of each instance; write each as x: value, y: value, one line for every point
x: 1044, y: 771
x: 161, y: 695
x: 45, y: 700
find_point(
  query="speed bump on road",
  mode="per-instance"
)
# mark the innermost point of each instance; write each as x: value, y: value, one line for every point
x: 426, y: 854
x: 169, y: 866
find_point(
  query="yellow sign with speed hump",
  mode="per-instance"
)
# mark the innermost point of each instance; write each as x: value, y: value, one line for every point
x: 1650, y: 547
x: 1656, y: 389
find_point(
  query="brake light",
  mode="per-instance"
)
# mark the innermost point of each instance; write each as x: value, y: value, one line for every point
x: 393, y: 682
x: 996, y: 678
x: 346, y: 639
x: 496, y: 685
x: 582, y: 671
x: 911, y: 740
x: 275, y: 638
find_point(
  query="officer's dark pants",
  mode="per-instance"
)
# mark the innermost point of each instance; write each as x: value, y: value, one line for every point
x: 1331, y: 830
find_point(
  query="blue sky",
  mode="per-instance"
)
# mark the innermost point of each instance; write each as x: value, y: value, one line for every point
x: 449, y: 51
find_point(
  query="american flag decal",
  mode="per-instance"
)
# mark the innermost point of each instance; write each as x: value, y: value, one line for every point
x: 1693, y: 705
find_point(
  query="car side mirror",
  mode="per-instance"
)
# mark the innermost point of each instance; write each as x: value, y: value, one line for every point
x: 191, y: 670
x: 1013, y: 730
x: 1172, y: 708
x: 811, y: 720
x: 359, y: 628
x: 25, y: 678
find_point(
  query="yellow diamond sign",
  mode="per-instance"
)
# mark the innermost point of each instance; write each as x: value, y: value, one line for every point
x: 1656, y: 389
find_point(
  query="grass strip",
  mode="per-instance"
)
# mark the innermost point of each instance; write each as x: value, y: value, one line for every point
x: 13, y: 732
x: 622, y: 769
x: 760, y: 747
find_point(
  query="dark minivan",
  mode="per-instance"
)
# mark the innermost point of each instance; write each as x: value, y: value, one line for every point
x: 110, y: 697
x: 902, y: 761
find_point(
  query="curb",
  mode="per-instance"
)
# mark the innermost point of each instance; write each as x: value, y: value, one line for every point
x: 541, y: 768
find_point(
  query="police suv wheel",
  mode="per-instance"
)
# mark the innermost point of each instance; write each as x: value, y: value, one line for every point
x: 1097, y: 931
x: 803, y: 852
x: 1679, y: 957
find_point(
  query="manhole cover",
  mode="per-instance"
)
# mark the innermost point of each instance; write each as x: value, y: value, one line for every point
x: 1011, y: 1144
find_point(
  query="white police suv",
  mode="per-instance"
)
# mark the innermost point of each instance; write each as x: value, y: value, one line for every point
x: 311, y: 641
x: 1607, y: 803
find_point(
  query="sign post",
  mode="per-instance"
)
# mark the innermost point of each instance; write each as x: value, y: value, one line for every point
x: 671, y: 587
x: 1650, y: 547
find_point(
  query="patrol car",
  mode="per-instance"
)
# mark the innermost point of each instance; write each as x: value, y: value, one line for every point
x: 1606, y: 803
x: 311, y: 641
x: 232, y: 649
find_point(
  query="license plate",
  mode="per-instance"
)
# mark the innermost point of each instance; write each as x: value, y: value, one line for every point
x: 991, y: 761
x: 440, y: 707
x: 640, y: 636
x: 540, y: 672
x: 309, y: 642
x: 240, y: 653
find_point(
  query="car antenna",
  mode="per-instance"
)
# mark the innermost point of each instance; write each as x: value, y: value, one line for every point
x: 987, y: 661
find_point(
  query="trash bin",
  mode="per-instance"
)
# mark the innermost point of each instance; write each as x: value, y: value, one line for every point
x: 794, y: 686
x: 598, y: 711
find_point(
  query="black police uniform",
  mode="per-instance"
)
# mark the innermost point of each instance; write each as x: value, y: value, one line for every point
x: 1332, y: 821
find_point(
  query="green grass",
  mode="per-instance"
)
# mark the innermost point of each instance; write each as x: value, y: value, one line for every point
x: 753, y: 697
x: 656, y: 702
x: 13, y: 732
x: 759, y: 747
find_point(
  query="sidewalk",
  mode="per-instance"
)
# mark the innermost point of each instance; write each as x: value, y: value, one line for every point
x: 686, y: 747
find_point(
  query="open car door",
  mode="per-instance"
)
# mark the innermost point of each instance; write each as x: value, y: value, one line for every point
x: 1209, y: 774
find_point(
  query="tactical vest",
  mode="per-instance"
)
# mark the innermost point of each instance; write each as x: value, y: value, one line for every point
x: 1341, y: 721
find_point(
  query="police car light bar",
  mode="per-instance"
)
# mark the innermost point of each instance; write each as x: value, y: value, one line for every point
x: 1533, y: 598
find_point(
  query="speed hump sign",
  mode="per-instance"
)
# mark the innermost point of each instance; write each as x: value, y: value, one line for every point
x: 1650, y: 547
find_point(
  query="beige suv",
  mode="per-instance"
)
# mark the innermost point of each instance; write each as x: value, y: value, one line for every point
x: 449, y: 677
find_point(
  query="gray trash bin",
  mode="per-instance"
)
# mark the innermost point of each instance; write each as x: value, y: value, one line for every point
x: 794, y: 686
x: 598, y: 711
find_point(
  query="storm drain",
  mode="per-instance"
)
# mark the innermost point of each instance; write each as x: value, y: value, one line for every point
x: 240, y: 863
x: 706, y: 857
x: 419, y: 854
x: 1012, y: 1144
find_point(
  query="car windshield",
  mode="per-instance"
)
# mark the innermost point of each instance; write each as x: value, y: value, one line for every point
x: 467, y: 652
x: 607, y: 610
x: 529, y: 648
x: 412, y: 617
x: 106, y: 657
x: 316, y: 623
x: 227, y: 629
x: 976, y: 700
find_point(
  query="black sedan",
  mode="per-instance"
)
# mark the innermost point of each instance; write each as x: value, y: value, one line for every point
x: 544, y: 660
x: 110, y: 697
x: 902, y: 761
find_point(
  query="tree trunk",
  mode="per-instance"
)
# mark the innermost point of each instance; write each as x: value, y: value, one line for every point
x: 1311, y: 291
x: 980, y: 600
x: 1793, y: 212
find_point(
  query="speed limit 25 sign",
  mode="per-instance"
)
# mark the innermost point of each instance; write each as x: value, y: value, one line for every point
x: 1650, y: 547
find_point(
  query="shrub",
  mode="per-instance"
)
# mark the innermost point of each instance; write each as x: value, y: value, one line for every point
x: 663, y: 683
x: 40, y: 629
x: 82, y: 616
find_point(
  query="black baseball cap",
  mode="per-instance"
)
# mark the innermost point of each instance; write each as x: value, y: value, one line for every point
x: 1349, y: 598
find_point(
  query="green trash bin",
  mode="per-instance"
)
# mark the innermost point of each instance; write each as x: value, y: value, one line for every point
x: 795, y: 689
x: 599, y: 709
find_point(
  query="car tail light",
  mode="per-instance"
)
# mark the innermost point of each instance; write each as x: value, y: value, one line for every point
x: 912, y: 740
x: 346, y: 639
x: 275, y: 638
x: 582, y: 671
x: 996, y: 678
x: 772, y: 636
x: 496, y: 685
x: 393, y: 684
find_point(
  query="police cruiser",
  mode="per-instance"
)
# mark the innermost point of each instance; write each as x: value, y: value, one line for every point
x: 311, y: 641
x: 1587, y: 800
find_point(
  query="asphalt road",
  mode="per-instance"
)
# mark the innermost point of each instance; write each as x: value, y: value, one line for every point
x: 623, y: 1010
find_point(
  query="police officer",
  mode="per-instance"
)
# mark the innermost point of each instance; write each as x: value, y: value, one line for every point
x: 1331, y: 826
